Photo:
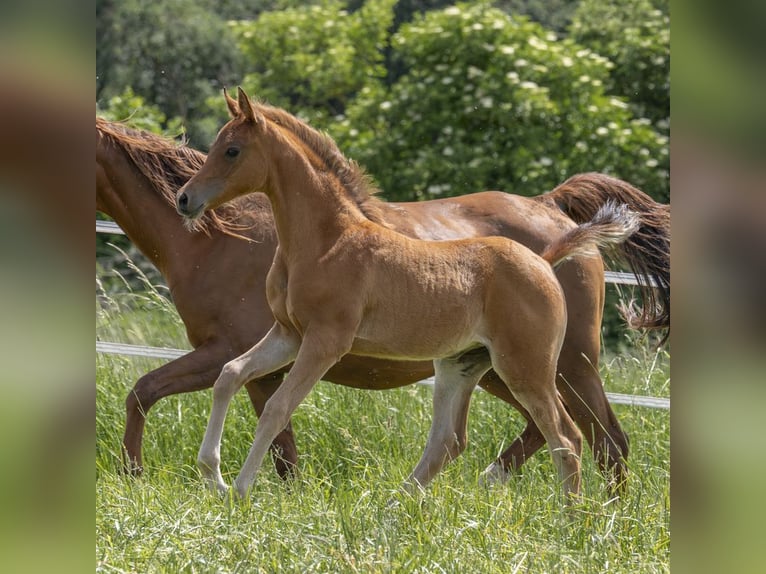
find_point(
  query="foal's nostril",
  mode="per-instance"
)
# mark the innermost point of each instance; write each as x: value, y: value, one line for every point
x: 183, y: 201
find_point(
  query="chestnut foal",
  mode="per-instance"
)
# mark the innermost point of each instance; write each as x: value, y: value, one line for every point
x: 343, y: 283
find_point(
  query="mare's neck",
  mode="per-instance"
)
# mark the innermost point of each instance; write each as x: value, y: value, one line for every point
x: 151, y: 223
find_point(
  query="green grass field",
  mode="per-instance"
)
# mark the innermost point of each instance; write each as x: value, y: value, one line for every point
x: 356, y: 447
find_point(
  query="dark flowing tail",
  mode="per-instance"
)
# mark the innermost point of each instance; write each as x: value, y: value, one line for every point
x: 646, y: 252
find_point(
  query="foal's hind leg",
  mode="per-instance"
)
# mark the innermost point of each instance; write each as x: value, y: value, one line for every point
x: 455, y: 379
x: 528, y: 443
x: 532, y: 381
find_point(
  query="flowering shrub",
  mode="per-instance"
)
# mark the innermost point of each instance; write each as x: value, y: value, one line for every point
x: 490, y: 101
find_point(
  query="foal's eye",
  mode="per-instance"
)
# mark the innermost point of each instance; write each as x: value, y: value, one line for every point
x: 232, y: 152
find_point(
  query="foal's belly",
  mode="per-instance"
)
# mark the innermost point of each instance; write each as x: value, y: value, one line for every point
x: 419, y: 338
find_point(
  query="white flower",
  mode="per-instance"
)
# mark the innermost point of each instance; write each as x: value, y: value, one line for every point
x: 537, y: 43
x: 520, y: 63
x: 618, y: 103
x: 652, y: 163
x: 508, y: 50
x: 448, y: 151
x: 528, y: 85
x: 602, y: 131
x: 452, y: 11
x: 546, y: 161
x: 567, y: 62
x: 385, y: 105
x: 512, y: 76
x: 474, y: 72
x: 486, y: 102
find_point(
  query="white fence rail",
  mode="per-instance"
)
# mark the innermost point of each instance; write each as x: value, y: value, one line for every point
x: 111, y: 348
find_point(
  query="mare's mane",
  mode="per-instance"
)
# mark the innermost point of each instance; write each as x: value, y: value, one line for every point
x: 168, y: 165
x: 351, y: 176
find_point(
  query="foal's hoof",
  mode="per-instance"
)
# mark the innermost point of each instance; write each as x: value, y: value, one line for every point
x: 494, y: 474
x: 220, y: 488
x: 216, y: 486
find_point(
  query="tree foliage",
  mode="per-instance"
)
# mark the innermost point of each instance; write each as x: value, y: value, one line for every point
x: 512, y: 108
x: 636, y: 36
x: 315, y: 59
x: 173, y: 53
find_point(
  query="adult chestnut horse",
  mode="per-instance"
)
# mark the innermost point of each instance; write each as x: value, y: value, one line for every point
x: 343, y: 282
x: 137, y: 174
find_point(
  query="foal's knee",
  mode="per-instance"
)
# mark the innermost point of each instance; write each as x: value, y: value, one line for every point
x: 207, y: 461
x: 228, y: 381
x: 276, y: 416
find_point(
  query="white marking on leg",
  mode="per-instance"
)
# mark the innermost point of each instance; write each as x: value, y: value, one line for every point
x: 273, y: 352
x: 453, y: 386
x: 312, y: 362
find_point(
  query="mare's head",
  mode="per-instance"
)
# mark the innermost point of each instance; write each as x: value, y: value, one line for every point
x: 238, y: 162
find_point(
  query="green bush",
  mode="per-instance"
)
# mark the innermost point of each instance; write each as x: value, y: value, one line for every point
x: 491, y: 101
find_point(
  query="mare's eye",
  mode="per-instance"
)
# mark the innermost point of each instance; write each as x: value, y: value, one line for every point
x: 232, y: 152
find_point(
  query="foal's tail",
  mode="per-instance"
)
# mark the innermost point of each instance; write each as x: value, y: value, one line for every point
x: 611, y: 225
x: 646, y: 250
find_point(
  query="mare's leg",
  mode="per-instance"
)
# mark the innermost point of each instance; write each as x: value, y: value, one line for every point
x: 579, y: 382
x: 532, y: 381
x: 318, y: 352
x: 194, y: 371
x: 277, y: 349
x: 455, y: 379
x: 582, y: 390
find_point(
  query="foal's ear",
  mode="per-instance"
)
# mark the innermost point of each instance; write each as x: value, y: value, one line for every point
x: 231, y: 103
x: 246, y: 108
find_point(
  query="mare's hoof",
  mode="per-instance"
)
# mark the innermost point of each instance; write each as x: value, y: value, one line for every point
x: 494, y: 474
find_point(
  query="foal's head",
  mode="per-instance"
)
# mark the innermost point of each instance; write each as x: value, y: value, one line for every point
x: 238, y: 162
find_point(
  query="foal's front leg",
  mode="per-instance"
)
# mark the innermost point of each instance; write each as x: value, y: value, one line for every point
x: 273, y: 352
x: 315, y: 357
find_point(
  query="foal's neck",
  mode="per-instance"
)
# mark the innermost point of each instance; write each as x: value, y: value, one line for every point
x: 311, y: 207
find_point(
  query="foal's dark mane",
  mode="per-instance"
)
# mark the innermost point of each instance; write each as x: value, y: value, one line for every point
x: 349, y: 173
x: 168, y: 165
